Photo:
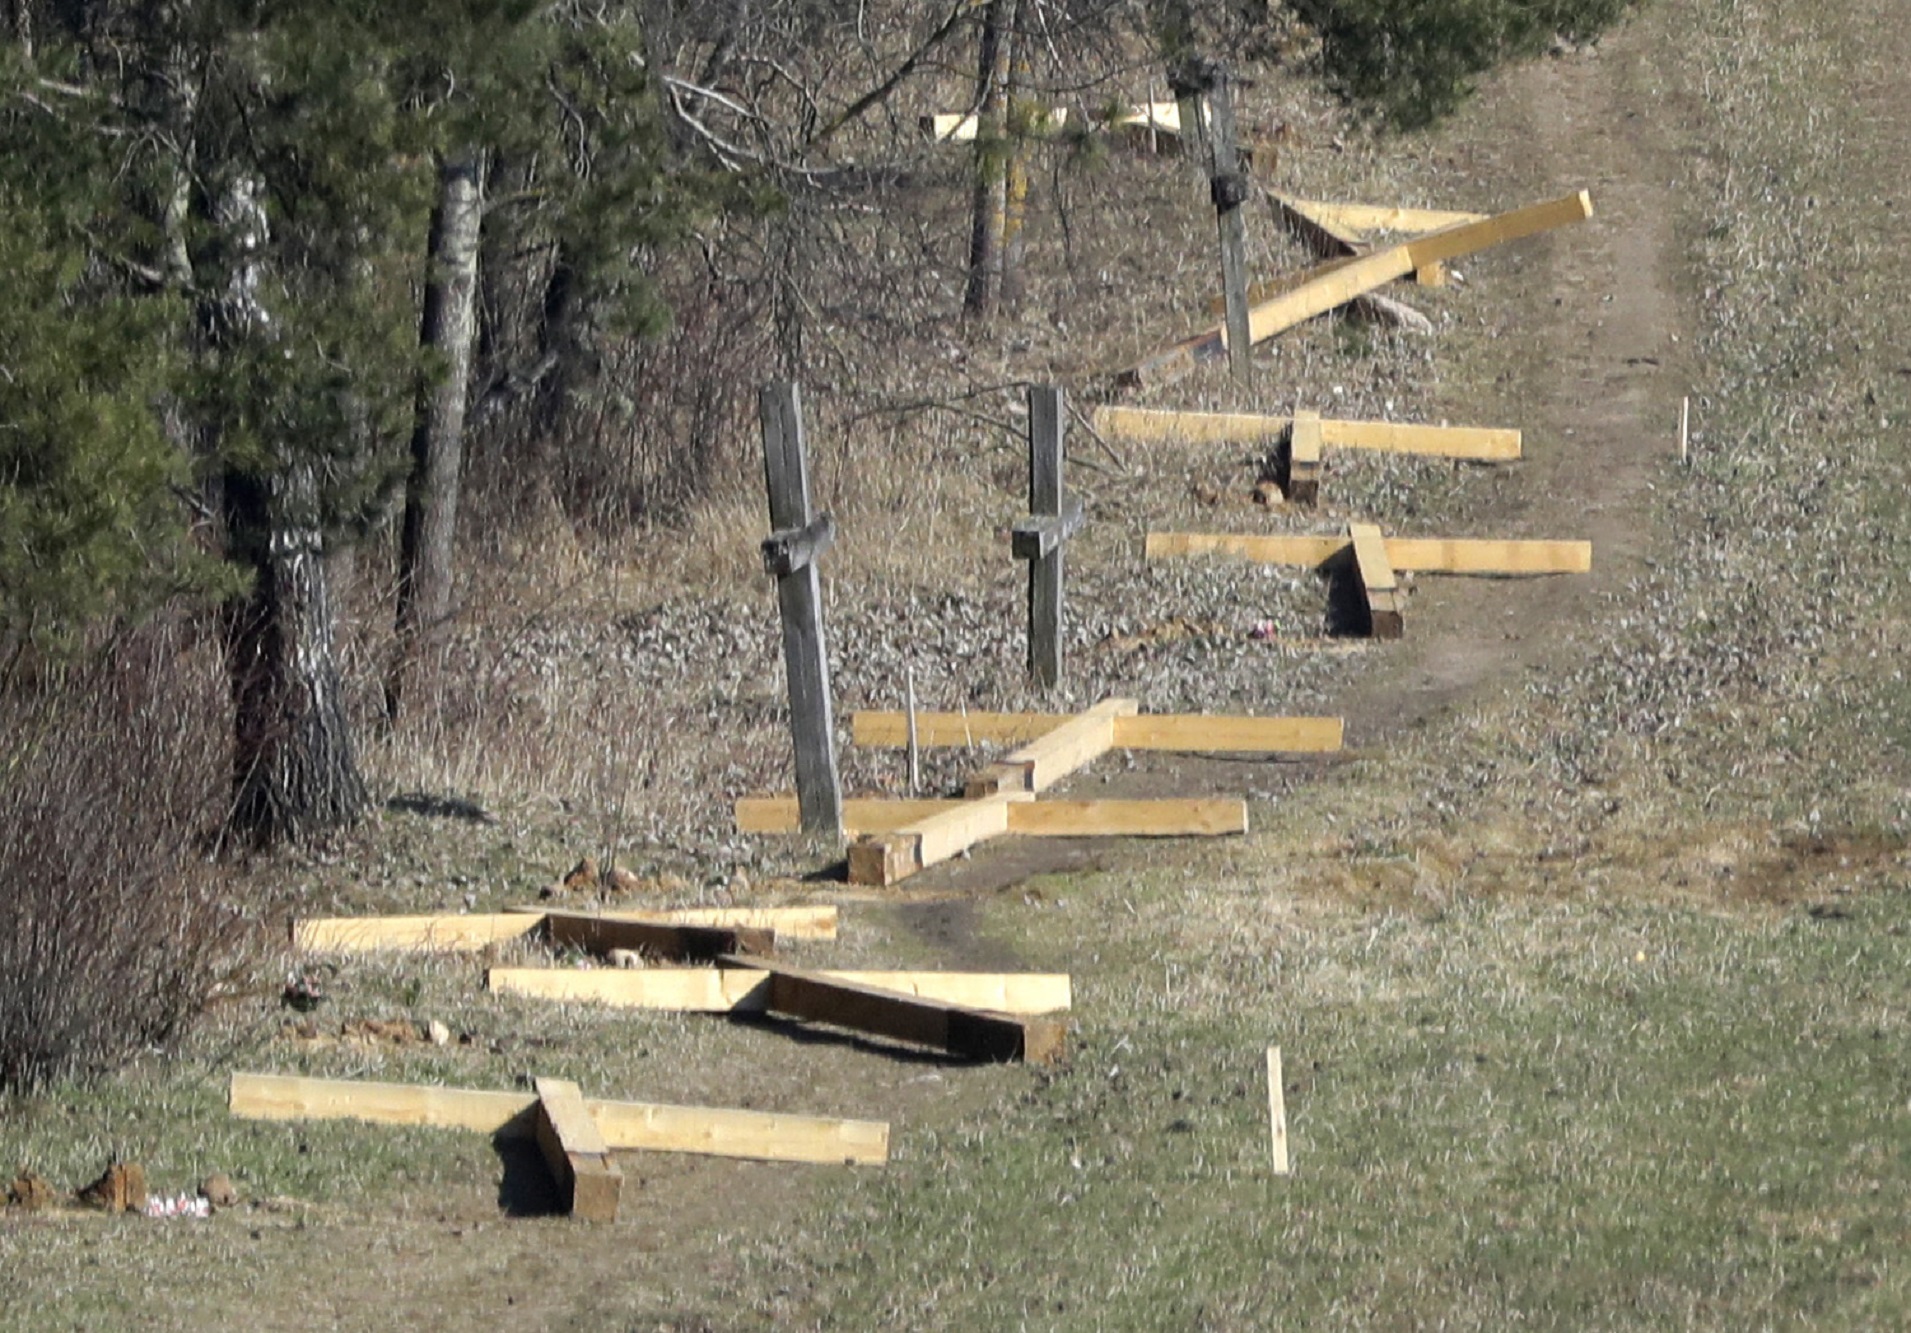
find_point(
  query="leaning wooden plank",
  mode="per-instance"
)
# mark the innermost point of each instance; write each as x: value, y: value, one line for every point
x: 889, y: 858
x: 588, y: 1181
x: 1457, y: 556
x: 1385, y: 614
x: 738, y: 990
x: 1352, y: 219
x: 435, y: 934
x: 1337, y: 282
x: 973, y: 1033
x: 1264, y: 549
x: 626, y: 1126
x: 596, y: 933
x: 1055, y: 754
x: 1433, y: 441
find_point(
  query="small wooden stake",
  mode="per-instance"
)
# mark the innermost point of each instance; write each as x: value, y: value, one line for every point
x: 795, y: 542
x: 1685, y: 424
x: 1277, y: 1111
x: 915, y: 751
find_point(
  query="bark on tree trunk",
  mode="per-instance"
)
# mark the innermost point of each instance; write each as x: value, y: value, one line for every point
x: 295, y: 769
x: 449, y: 329
x: 989, y: 207
x: 1016, y: 183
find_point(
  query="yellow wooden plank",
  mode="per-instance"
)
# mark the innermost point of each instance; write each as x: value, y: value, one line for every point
x: 892, y: 729
x: 861, y: 815
x: 1144, y: 424
x: 588, y: 1181
x: 1461, y: 556
x: 1263, y: 549
x: 1435, y: 441
x: 1330, y: 287
x: 282, y: 1097
x: 1471, y: 237
x: 1370, y: 556
x: 744, y: 990
x: 1357, y: 218
x: 1276, y: 1111
x: 1171, y: 818
x: 950, y: 832
x: 1200, y: 731
x: 437, y: 934
x: 1055, y: 754
x: 626, y: 1126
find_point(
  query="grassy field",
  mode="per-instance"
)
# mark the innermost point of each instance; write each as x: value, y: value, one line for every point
x: 1592, y: 987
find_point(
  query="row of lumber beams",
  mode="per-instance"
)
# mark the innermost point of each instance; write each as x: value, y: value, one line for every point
x: 1147, y: 425
x: 1423, y: 555
x: 975, y: 1034
x: 588, y: 1181
x: 477, y: 931
x: 1134, y: 731
x: 1337, y: 282
x: 623, y: 1126
x: 711, y: 990
x: 1166, y: 818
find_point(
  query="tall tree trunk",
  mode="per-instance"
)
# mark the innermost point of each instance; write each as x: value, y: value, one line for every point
x: 989, y: 208
x: 448, y: 329
x: 1021, y: 119
x: 295, y: 769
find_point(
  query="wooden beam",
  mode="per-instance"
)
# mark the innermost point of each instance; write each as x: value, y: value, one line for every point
x: 814, y: 921
x: 1052, y: 756
x: 740, y: 990
x: 1234, y: 735
x: 1266, y: 549
x: 1276, y: 1111
x: 1422, y: 555
x: 972, y: 1033
x: 1170, y: 818
x: 1339, y: 281
x: 1354, y: 219
x: 1303, y: 458
x: 426, y: 934
x: 1146, y: 424
x: 1385, y: 609
x: 588, y: 1181
x: 626, y: 1126
x: 892, y: 857
x: 599, y: 934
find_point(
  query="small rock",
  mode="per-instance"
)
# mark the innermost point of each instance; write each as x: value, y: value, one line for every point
x: 440, y: 1034
x: 628, y: 958
x: 30, y: 1191
x: 620, y: 880
x: 583, y: 876
x: 218, y: 1191
x: 121, y: 1189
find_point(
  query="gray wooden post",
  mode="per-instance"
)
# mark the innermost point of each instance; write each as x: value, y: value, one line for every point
x: 790, y: 553
x: 1228, y: 188
x: 1054, y: 516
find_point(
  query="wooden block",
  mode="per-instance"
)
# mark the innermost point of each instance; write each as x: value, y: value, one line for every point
x: 1277, y: 1111
x: 1433, y: 275
x: 740, y: 990
x: 1055, y: 754
x: 1303, y: 458
x: 972, y: 1033
x: 1379, y: 589
x: 1267, y: 550
x: 1434, y: 441
x: 626, y: 1126
x: 890, y: 858
x: 588, y: 1181
x: 433, y: 934
x: 1451, y: 556
x: 599, y: 934
x: 882, y: 860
